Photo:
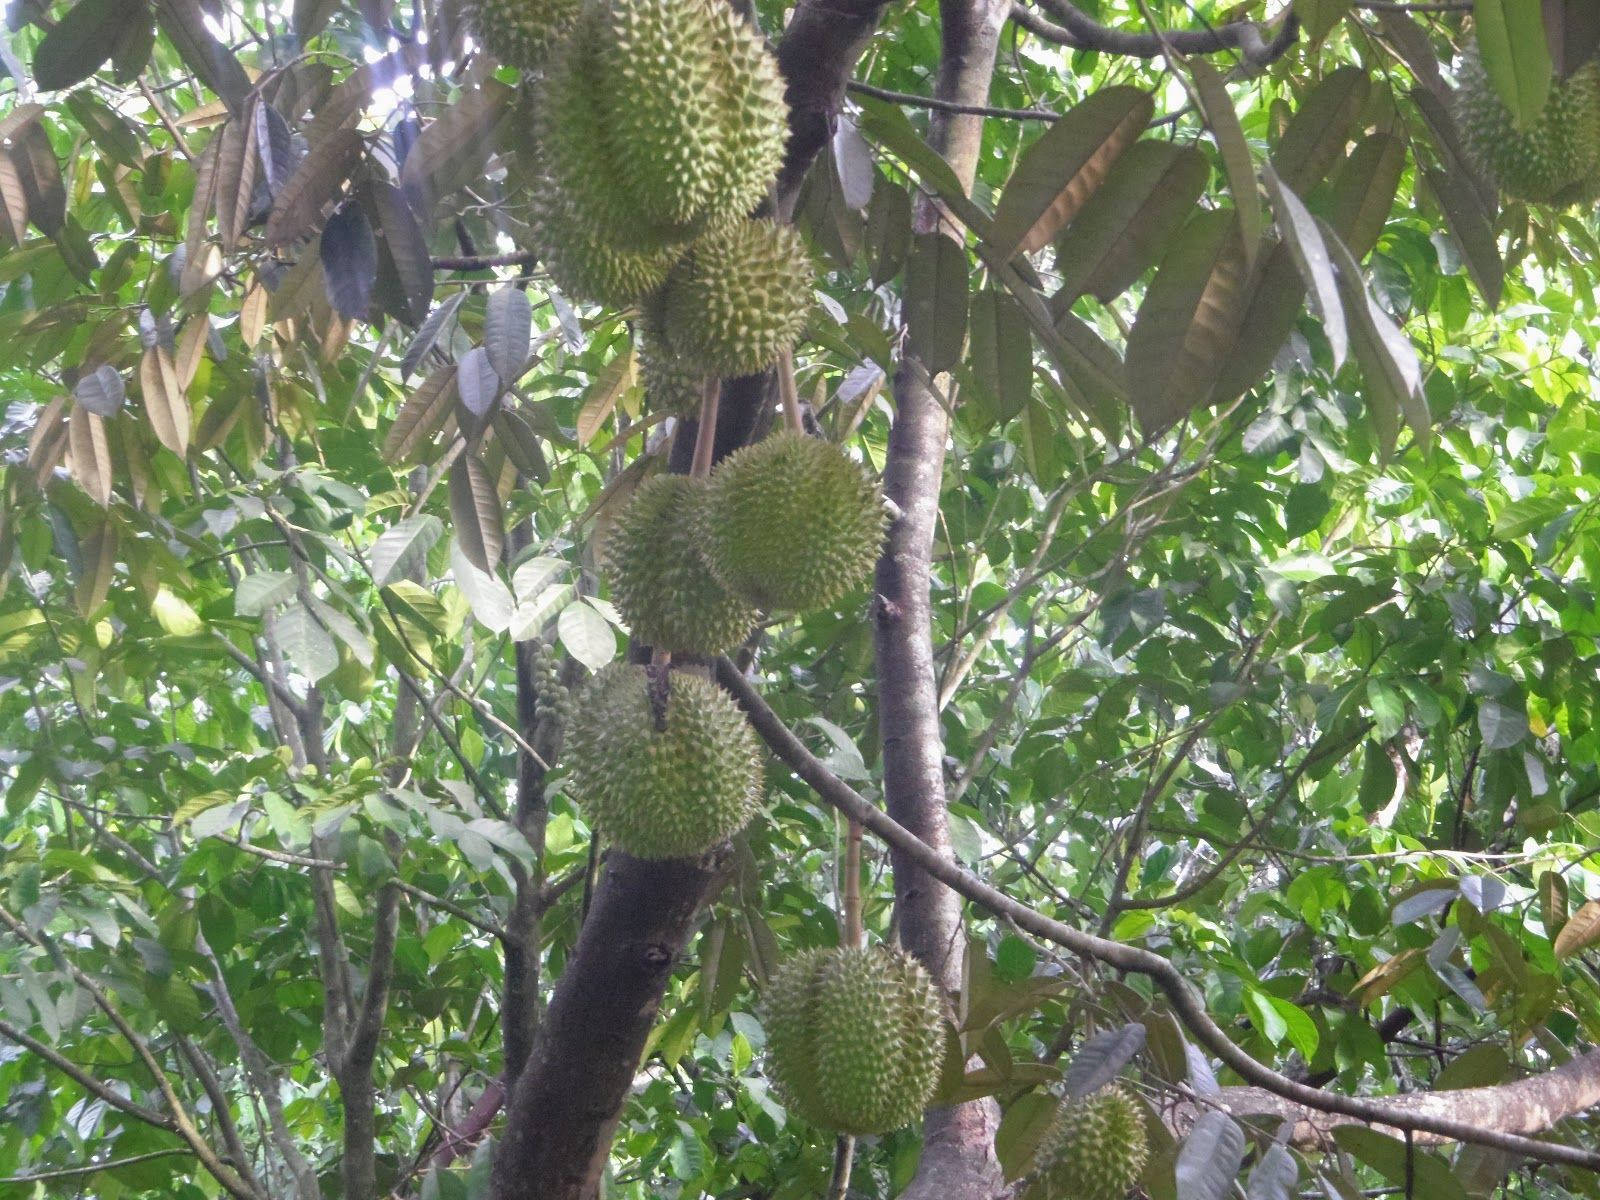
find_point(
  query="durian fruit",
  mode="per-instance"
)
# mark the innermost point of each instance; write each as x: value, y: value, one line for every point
x: 792, y: 523
x: 662, y: 119
x: 855, y: 1038
x: 1556, y: 160
x: 583, y: 261
x: 1094, y: 1150
x: 660, y: 581
x: 670, y: 384
x: 663, y: 761
x: 520, y: 33
x: 739, y: 298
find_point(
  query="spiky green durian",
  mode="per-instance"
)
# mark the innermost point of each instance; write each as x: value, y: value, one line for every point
x: 520, y: 33
x: 739, y: 297
x: 1556, y: 159
x: 754, y: 114
x: 662, y: 761
x: 659, y: 579
x: 662, y: 118
x: 792, y: 523
x: 855, y: 1038
x: 583, y: 261
x: 1094, y: 1150
x: 670, y: 384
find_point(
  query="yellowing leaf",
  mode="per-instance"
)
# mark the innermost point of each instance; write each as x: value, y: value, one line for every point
x: 614, y: 378
x: 1581, y: 931
x: 174, y: 615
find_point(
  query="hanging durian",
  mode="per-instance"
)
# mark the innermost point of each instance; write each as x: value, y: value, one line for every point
x: 520, y: 33
x: 1556, y: 159
x: 662, y: 761
x: 855, y: 1037
x: 671, y: 385
x: 739, y: 298
x: 659, y: 579
x: 661, y: 119
x: 792, y: 523
x: 1095, y: 1149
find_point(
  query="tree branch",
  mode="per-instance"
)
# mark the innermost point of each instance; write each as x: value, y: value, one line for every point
x: 82, y: 1078
x: 566, y: 1104
x: 1082, y: 32
x: 1435, y: 1117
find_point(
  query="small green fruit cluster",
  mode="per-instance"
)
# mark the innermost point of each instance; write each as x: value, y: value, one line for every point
x: 1094, y: 1150
x: 1556, y: 159
x: 553, y: 699
x: 663, y: 761
x: 855, y: 1038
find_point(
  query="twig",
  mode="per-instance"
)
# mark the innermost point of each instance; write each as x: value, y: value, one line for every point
x: 93, y: 1168
x: 483, y: 262
x: 933, y: 102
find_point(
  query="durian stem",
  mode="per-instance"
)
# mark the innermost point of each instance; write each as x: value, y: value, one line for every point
x: 789, y: 392
x: 705, y: 438
x: 853, y: 933
x: 844, y: 1156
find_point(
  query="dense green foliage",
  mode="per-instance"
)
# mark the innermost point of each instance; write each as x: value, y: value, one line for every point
x: 1265, y: 641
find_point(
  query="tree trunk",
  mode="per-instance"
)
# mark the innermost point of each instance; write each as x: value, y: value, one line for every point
x: 566, y: 1103
x: 958, y: 1160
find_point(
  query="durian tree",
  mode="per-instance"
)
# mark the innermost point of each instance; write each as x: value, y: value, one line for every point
x: 661, y: 598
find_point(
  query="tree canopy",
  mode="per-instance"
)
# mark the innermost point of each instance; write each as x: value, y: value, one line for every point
x: 1222, y: 716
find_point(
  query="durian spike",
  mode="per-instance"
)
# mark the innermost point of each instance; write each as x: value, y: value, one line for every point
x: 790, y: 392
x: 705, y: 439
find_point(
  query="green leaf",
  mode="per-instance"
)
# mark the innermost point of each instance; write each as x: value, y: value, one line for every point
x: 1014, y: 959
x: 1300, y: 234
x: 1316, y: 136
x: 1388, y: 360
x: 1188, y: 321
x: 260, y: 592
x: 1470, y: 227
x: 1058, y: 173
x: 309, y: 647
x: 82, y: 41
x: 1320, y: 16
x: 1209, y: 1159
x: 1001, y: 354
x: 1223, y: 121
x: 403, y: 548
x: 1401, y: 1164
x: 1511, y: 42
x: 1364, y: 191
x: 1128, y: 223
x: 936, y: 301
x: 1501, y: 725
x: 507, y: 320
x: 586, y: 634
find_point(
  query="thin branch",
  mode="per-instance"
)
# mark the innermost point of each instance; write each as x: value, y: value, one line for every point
x: 953, y: 106
x: 110, y: 1164
x: 1576, y: 1083
x: 454, y: 909
x: 82, y: 1078
x: 483, y: 262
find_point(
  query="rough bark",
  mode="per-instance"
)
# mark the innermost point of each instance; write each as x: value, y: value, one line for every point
x: 958, y: 1160
x: 565, y: 1106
